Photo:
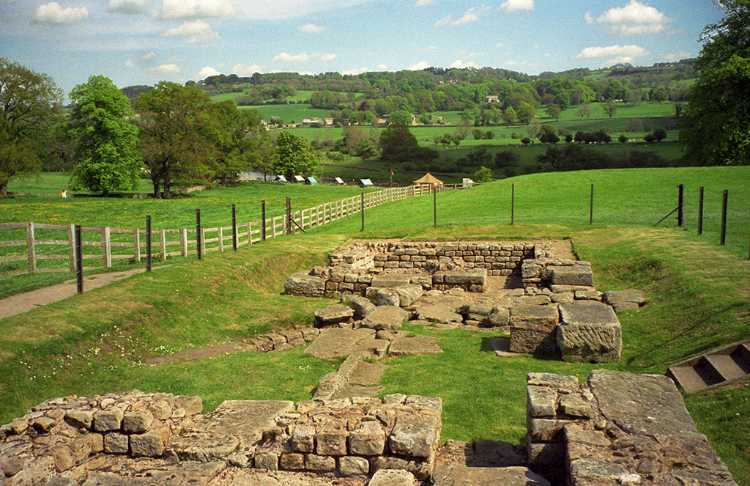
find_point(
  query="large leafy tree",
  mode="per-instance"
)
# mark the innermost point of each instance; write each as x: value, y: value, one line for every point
x: 717, y: 121
x: 294, y: 155
x: 178, y: 136
x: 242, y: 142
x: 29, y: 105
x: 106, y: 137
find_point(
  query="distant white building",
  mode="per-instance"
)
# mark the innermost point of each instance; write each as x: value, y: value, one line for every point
x: 493, y: 99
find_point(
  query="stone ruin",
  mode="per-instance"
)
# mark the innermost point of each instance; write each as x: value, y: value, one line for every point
x: 536, y: 290
x: 142, y: 439
x: 615, y: 429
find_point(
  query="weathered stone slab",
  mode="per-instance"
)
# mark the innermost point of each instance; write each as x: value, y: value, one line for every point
x: 414, y: 345
x: 384, y: 296
x: 385, y: 317
x: 333, y: 315
x: 415, y: 436
x: 577, y: 274
x: 392, y: 477
x: 461, y: 475
x: 390, y: 280
x: 305, y: 285
x: 408, y: 294
x: 589, y: 331
x: 439, y: 313
x: 625, y: 300
x: 361, y: 305
x: 532, y: 329
x: 337, y: 343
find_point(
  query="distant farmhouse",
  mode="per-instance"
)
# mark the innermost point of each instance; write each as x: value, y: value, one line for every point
x: 493, y: 99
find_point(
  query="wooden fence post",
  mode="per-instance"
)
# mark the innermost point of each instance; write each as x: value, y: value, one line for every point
x: 434, y: 207
x: 701, y: 194
x: 724, y: 207
x: 249, y: 233
x: 362, y: 209
x: 263, y: 220
x: 680, y: 205
x: 221, y: 239
x: 288, y: 210
x: 107, y: 246
x: 79, y: 259
x: 137, y: 245
x: 184, y: 241
x: 163, y: 245
x: 72, y: 242
x: 591, y: 206
x: 512, y: 204
x: 31, y: 246
x: 234, y: 227
x: 149, y: 248
x: 198, y: 234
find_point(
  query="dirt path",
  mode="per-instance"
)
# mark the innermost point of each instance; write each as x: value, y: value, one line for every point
x: 20, y: 303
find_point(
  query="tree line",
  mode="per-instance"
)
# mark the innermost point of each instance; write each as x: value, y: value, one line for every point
x: 173, y: 134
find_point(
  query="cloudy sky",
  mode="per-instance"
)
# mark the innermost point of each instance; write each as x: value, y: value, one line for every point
x: 144, y: 41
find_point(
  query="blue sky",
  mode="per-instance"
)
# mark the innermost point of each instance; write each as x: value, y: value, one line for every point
x: 144, y: 41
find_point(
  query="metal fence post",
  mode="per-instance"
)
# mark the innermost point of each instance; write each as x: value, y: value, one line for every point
x: 199, y: 234
x: 724, y: 204
x: 149, y: 241
x: 681, y: 205
x: 263, y: 220
x: 234, y: 227
x: 701, y: 193
x: 79, y: 260
x: 591, y: 206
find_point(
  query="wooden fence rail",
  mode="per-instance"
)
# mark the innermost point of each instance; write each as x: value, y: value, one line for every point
x: 51, y: 247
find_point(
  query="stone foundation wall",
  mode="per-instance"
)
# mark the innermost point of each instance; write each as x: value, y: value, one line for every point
x: 345, y: 437
x: 618, y: 428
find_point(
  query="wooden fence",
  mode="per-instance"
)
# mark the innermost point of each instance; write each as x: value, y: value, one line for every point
x: 34, y: 247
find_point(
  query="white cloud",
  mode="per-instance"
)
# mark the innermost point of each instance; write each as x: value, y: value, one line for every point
x: 676, y: 56
x: 305, y: 57
x: 207, y: 71
x: 517, y: 5
x: 630, y: 51
x: 129, y: 6
x: 382, y: 67
x: 635, y: 18
x: 246, y: 70
x: 195, y: 31
x: 461, y: 64
x: 165, y: 69
x: 423, y: 3
x: 54, y: 13
x: 149, y: 56
x: 499, y: 45
x: 354, y: 71
x: 419, y: 66
x: 589, y: 18
x: 471, y: 15
x: 311, y: 28
x: 191, y: 9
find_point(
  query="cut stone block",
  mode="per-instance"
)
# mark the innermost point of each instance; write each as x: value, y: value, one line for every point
x: 333, y: 315
x: 625, y: 300
x: 304, y: 284
x: 384, y: 296
x: 533, y: 329
x: 392, y: 477
x: 589, y: 331
x: 439, y: 313
x: 577, y: 274
x: 462, y: 475
x: 415, y: 436
x: 361, y: 305
x: 390, y: 280
x: 408, y: 294
x: 385, y: 317
x: 414, y: 345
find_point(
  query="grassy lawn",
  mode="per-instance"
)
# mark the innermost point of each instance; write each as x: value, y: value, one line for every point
x: 699, y: 298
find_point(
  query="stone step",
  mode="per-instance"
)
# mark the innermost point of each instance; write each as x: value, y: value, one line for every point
x: 687, y: 378
x: 725, y: 366
x: 708, y: 372
x: 741, y: 356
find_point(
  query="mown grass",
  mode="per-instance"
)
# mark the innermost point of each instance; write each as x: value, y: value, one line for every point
x: 699, y: 297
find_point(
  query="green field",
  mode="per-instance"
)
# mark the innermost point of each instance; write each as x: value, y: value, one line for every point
x: 37, y: 200
x: 291, y: 113
x: 444, y: 167
x: 698, y: 293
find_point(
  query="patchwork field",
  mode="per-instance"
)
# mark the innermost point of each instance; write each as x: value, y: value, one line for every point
x: 699, y: 298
